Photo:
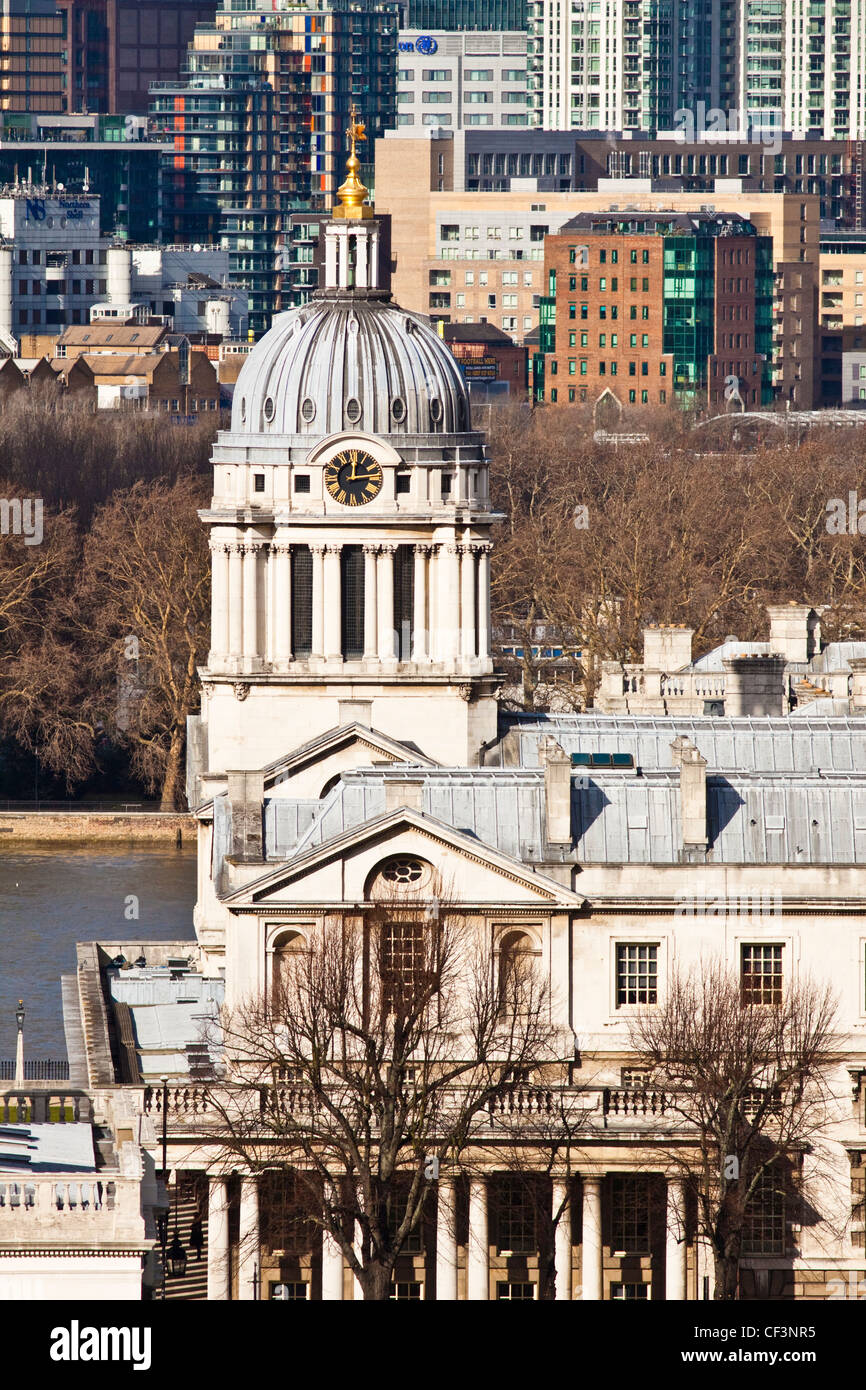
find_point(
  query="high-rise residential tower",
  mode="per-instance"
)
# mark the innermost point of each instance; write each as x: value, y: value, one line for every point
x: 256, y: 124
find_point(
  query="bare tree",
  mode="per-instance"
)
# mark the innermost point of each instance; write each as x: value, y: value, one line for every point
x: 748, y: 1076
x: 117, y: 652
x: 382, y: 1046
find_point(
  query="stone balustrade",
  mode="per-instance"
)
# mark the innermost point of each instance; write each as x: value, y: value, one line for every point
x: 42, y: 1209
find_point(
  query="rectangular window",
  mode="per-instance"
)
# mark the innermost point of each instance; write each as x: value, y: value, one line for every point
x: 761, y: 973
x: 629, y: 1213
x: 302, y: 592
x: 403, y: 964
x: 764, y: 1232
x: 407, y: 1289
x: 636, y: 974
x: 515, y: 1218
x: 511, y: 1292
x: 629, y: 1292
x: 258, y: 482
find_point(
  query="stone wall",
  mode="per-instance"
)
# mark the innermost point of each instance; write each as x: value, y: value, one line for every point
x: 154, y: 827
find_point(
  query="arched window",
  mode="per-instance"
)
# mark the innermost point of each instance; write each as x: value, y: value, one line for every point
x: 284, y: 952
x: 516, y: 952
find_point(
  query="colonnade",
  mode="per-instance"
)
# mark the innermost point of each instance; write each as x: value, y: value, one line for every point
x: 251, y: 609
x: 477, y: 1251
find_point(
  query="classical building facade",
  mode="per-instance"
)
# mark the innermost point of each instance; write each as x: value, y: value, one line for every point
x: 349, y: 739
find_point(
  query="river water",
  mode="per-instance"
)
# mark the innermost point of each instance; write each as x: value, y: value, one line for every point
x: 53, y: 896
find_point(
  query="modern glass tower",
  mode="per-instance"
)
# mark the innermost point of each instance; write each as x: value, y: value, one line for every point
x: 256, y: 125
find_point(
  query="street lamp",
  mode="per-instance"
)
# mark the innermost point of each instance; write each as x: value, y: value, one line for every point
x: 19, y: 1044
x: 176, y: 1257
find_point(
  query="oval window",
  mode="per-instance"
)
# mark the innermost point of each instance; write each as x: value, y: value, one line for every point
x: 353, y: 410
x: 270, y: 409
x: 435, y: 410
x: 398, y: 409
x: 308, y: 410
x: 243, y: 407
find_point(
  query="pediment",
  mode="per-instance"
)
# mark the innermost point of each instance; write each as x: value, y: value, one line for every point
x: 465, y: 869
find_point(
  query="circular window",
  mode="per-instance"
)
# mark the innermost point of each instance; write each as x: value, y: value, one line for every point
x: 435, y: 409
x: 243, y: 407
x: 398, y: 409
x: 270, y: 409
x: 403, y: 871
x: 353, y: 410
x: 308, y: 410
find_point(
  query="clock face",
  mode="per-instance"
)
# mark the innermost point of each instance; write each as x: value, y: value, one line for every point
x: 353, y: 477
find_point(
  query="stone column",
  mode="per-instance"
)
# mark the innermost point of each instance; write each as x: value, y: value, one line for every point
x: 675, y: 1242
x: 281, y: 597
x: 449, y: 603
x: 592, y: 1247
x: 333, y: 609
x: 219, y: 607
x: 433, y: 603
x: 251, y: 616
x: 236, y: 611
x: 332, y: 1269
x: 249, y: 1242
x: 419, y: 635
x: 318, y: 641
x: 484, y: 601
x: 562, y: 1238
x: 467, y: 602
x: 371, y: 616
x: 218, y: 1266
x: 478, y: 1253
x: 385, y: 585
x: 446, y: 1241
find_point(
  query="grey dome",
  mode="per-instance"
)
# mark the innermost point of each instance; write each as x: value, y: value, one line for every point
x: 350, y: 361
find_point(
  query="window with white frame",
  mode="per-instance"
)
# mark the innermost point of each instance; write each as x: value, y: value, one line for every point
x: 509, y: 1291
x: 290, y: 1293
x: 634, y: 1078
x: 629, y: 1292
x: 408, y: 1289
x: 761, y: 972
x: 636, y: 973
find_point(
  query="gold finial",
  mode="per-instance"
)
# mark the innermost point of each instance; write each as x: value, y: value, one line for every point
x: 352, y: 194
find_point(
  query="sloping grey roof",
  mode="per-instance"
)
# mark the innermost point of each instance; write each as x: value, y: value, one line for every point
x: 167, y: 1014
x: 837, y: 656
x: 43, y: 1148
x: 713, y: 660
x: 622, y: 817
x: 763, y: 744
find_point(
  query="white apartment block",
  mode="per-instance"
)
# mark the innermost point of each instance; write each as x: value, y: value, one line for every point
x: 629, y: 64
x: 56, y: 269
x: 457, y: 80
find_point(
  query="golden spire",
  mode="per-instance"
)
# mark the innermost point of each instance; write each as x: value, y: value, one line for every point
x: 352, y: 194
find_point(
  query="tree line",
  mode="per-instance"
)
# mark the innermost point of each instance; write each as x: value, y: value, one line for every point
x: 599, y: 540
x: 103, y: 624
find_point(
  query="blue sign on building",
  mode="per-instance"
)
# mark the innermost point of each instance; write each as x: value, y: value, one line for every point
x: 424, y: 44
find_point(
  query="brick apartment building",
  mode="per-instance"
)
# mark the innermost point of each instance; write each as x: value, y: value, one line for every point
x: 656, y: 306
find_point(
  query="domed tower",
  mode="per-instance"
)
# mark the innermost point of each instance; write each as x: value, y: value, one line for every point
x: 349, y: 528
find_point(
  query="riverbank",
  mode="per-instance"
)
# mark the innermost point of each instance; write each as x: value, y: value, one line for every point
x: 96, y: 827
